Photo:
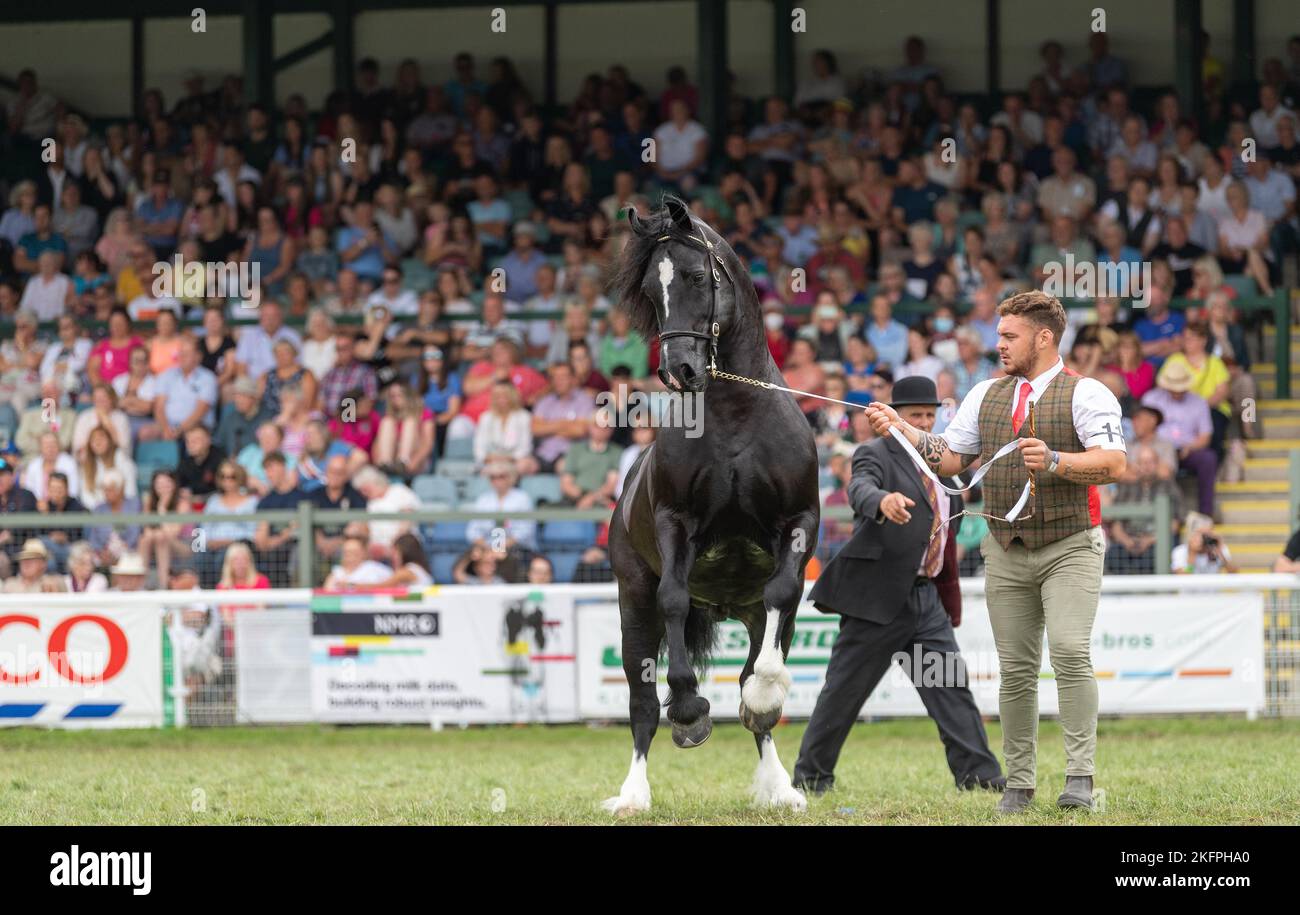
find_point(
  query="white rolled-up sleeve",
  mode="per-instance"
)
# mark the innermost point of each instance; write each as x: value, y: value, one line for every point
x: 1097, y: 417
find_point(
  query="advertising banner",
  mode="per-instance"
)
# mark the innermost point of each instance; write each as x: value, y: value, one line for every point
x: 464, y: 655
x: 81, y: 667
x: 1151, y: 655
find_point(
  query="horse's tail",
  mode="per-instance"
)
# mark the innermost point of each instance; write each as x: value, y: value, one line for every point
x: 701, y: 637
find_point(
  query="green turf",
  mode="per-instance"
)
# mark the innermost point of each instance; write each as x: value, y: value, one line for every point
x: 1185, y: 770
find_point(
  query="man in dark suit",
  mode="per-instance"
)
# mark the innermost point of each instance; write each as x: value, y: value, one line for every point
x: 896, y: 590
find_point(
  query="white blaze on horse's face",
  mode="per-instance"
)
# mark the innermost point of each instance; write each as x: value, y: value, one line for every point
x: 666, y: 279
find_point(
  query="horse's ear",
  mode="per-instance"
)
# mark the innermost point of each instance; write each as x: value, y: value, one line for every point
x: 679, y: 214
x: 634, y: 220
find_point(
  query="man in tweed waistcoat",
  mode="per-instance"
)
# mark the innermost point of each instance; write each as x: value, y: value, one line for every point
x: 1043, y: 569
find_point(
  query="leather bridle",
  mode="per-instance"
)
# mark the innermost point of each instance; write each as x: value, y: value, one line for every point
x: 715, y: 329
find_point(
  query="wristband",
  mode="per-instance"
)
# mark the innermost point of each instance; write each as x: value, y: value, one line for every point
x: 1056, y: 462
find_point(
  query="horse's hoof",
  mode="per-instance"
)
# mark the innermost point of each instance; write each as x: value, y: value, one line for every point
x: 758, y: 722
x: 691, y: 735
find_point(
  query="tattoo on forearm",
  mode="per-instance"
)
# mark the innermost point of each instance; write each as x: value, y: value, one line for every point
x: 932, y: 448
x: 1091, y: 475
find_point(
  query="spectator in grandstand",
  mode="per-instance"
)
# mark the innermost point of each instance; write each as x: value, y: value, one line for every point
x: 82, y: 577
x: 334, y: 492
x: 348, y: 374
x: 50, y: 415
x: 102, y: 456
x: 405, y: 441
x: 479, y: 566
x: 231, y: 498
x: 64, y: 362
x: 20, y: 363
x: 410, y: 565
x: 200, y: 458
x: 887, y: 335
x: 442, y: 392
x: 255, y: 352
x: 503, y: 496
x: 540, y: 571
x: 169, y: 545
x: 1188, y: 426
x: 804, y: 373
x: 1204, y: 552
x: 585, y: 374
x: 128, y: 573
x: 318, y: 352
x: 111, y: 541
x: 589, y: 468
x: 239, y: 572
x: 269, y: 440
x: 188, y: 395
x: 241, y: 418
x: 288, y: 371
x: 217, y: 346
x: 50, y: 460
x: 682, y: 146
x: 921, y: 359
x: 138, y: 396
x: 58, y: 501
x: 560, y: 417
x: 1244, y: 239
x: 1146, y: 422
x: 48, y: 291
x: 383, y: 495
x: 505, y: 430
x: 33, y: 572
x: 275, y: 542
x: 354, y: 570
x: 391, y: 295
x: 1160, y: 329
x: 1132, y: 541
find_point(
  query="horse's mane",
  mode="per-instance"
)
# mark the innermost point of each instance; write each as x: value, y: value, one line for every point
x: 635, y: 261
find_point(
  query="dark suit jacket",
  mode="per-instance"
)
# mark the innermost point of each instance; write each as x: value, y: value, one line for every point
x: 873, y: 573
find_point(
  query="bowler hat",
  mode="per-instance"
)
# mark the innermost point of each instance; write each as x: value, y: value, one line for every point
x: 915, y: 391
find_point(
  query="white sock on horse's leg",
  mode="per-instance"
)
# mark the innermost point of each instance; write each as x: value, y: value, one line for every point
x: 772, y: 786
x: 766, y: 689
x: 634, y: 796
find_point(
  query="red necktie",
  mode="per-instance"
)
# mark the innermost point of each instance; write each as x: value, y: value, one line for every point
x: 1022, y: 404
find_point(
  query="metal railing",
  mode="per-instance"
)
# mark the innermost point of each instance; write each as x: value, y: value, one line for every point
x: 307, y: 517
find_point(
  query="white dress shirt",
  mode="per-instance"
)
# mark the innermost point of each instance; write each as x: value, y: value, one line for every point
x: 1097, y: 417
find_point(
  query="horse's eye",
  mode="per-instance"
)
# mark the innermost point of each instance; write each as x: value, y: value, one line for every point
x: 699, y: 279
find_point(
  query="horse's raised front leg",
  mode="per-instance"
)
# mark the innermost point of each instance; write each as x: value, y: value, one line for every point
x: 687, y: 710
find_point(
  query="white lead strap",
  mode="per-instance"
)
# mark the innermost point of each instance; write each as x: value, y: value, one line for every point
x: 974, y: 481
x: 902, y: 440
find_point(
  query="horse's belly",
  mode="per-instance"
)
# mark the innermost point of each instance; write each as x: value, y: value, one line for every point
x: 731, y: 573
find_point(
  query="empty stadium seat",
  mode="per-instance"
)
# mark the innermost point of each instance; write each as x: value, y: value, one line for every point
x: 447, y: 534
x: 1243, y: 285
x: 472, y: 488
x: 568, y: 534
x: 443, y: 563
x: 459, y: 449
x: 435, y: 491
x: 158, y: 454
x: 455, y: 470
x: 543, y: 487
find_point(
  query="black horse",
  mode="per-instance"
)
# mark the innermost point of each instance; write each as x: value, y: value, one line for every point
x: 712, y: 525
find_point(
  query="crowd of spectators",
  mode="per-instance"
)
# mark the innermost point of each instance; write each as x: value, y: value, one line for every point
x: 428, y: 324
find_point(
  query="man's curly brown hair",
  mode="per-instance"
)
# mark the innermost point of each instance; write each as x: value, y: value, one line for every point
x: 1038, y: 308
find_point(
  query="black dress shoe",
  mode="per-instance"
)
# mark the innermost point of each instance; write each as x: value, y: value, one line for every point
x: 815, y: 788
x: 995, y: 783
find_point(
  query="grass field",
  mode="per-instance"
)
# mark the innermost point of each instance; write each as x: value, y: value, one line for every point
x: 1186, y: 770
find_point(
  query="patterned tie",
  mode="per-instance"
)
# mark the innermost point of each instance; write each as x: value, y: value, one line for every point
x: 934, y: 552
x: 1022, y: 405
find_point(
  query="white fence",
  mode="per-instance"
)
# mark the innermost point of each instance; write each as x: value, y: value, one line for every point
x: 518, y: 653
